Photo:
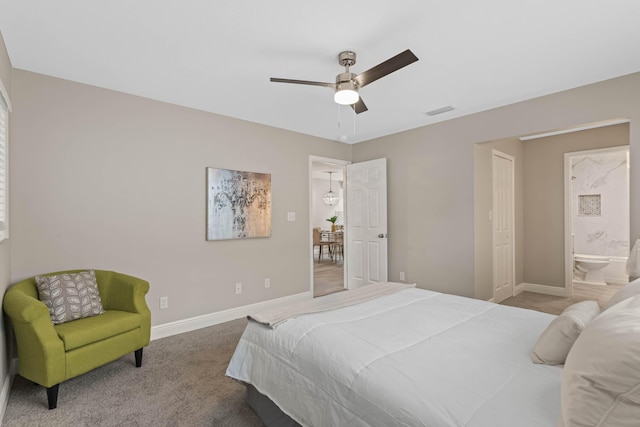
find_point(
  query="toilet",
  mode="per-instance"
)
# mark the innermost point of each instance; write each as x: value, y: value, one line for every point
x: 591, y: 266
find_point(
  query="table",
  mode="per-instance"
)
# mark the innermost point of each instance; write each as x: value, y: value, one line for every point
x: 336, y: 238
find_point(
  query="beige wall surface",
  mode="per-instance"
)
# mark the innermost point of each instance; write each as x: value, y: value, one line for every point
x: 544, y: 198
x: 431, y: 178
x: 5, y: 246
x: 106, y: 180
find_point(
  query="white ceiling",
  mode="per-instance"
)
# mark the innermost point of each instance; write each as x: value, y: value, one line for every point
x: 218, y: 55
x: 321, y: 170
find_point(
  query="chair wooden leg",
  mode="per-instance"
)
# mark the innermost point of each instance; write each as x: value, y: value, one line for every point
x: 52, y: 396
x: 138, y: 354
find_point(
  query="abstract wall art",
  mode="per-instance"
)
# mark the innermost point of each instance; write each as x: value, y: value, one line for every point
x: 238, y: 204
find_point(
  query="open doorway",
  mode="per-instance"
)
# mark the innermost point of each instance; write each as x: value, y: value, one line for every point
x: 597, y: 215
x: 540, y: 221
x: 327, y: 220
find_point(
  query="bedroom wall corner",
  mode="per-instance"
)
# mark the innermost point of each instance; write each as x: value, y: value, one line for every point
x: 5, y: 259
x: 430, y: 206
x: 431, y: 178
x: 121, y: 185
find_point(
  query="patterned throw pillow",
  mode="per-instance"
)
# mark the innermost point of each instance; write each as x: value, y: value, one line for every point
x: 70, y: 296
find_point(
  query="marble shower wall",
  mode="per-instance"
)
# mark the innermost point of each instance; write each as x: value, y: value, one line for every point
x: 600, y: 203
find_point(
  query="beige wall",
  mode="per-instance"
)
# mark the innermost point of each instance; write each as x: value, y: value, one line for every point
x: 483, y: 204
x: 431, y: 178
x: 430, y: 206
x: 106, y: 180
x: 539, y: 203
x: 544, y: 198
x: 5, y: 246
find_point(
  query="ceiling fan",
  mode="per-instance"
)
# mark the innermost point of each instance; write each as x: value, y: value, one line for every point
x: 347, y: 84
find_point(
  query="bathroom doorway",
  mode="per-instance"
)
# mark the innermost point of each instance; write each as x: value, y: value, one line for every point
x: 596, y: 217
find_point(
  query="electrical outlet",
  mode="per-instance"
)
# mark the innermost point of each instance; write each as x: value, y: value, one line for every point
x: 238, y: 288
x: 164, y: 302
x: 291, y: 216
x: 267, y: 283
x: 402, y: 276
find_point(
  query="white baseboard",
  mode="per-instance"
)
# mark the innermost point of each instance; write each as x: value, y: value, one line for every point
x: 616, y: 280
x: 6, y: 386
x: 206, y: 320
x: 539, y: 289
x: 543, y: 289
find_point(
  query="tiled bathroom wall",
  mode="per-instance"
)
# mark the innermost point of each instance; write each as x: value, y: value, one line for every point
x: 600, y: 203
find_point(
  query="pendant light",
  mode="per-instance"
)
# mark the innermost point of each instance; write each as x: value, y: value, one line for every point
x: 330, y: 198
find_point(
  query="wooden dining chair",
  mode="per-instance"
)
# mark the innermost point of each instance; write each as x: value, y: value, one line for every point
x: 317, y: 241
x: 338, y: 245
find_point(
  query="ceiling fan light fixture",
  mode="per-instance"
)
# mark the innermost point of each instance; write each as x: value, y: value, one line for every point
x: 347, y: 84
x: 346, y: 89
x: 346, y: 97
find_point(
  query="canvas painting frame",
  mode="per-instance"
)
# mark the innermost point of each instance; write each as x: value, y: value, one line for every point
x: 238, y: 204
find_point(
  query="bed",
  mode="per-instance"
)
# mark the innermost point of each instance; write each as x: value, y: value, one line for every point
x: 409, y: 358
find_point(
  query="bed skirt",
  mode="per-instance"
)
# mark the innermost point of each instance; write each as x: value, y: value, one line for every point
x: 270, y: 414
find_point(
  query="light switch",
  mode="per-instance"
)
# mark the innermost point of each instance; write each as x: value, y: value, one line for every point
x: 291, y: 216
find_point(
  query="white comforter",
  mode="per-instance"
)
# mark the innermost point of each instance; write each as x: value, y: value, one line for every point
x: 413, y: 358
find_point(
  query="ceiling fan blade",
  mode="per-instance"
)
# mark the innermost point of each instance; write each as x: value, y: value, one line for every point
x: 387, y: 67
x: 303, y: 82
x: 359, y: 106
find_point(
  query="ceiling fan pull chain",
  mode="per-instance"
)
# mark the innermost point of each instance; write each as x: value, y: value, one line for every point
x: 339, y: 117
x: 354, y: 122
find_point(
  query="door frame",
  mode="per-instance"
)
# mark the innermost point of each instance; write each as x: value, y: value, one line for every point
x: 339, y: 163
x: 496, y: 153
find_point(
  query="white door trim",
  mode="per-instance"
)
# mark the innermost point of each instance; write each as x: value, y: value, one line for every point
x: 511, y: 159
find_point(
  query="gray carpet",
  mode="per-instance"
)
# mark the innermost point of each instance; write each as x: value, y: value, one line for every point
x: 181, y: 383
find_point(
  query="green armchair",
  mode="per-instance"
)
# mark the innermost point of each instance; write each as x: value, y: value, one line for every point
x: 49, y: 354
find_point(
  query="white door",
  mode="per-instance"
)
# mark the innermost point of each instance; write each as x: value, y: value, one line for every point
x: 366, y: 223
x: 503, y: 267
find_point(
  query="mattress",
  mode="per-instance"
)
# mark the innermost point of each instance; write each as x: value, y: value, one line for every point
x: 413, y: 358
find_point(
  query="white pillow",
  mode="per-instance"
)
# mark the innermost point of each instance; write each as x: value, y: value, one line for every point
x: 628, y: 291
x: 601, y: 378
x: 555, y: 342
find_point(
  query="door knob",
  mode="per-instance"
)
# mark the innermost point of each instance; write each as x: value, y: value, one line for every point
x: 383, y: 236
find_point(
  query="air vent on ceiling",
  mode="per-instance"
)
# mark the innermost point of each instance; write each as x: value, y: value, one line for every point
x: 440, y: 111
